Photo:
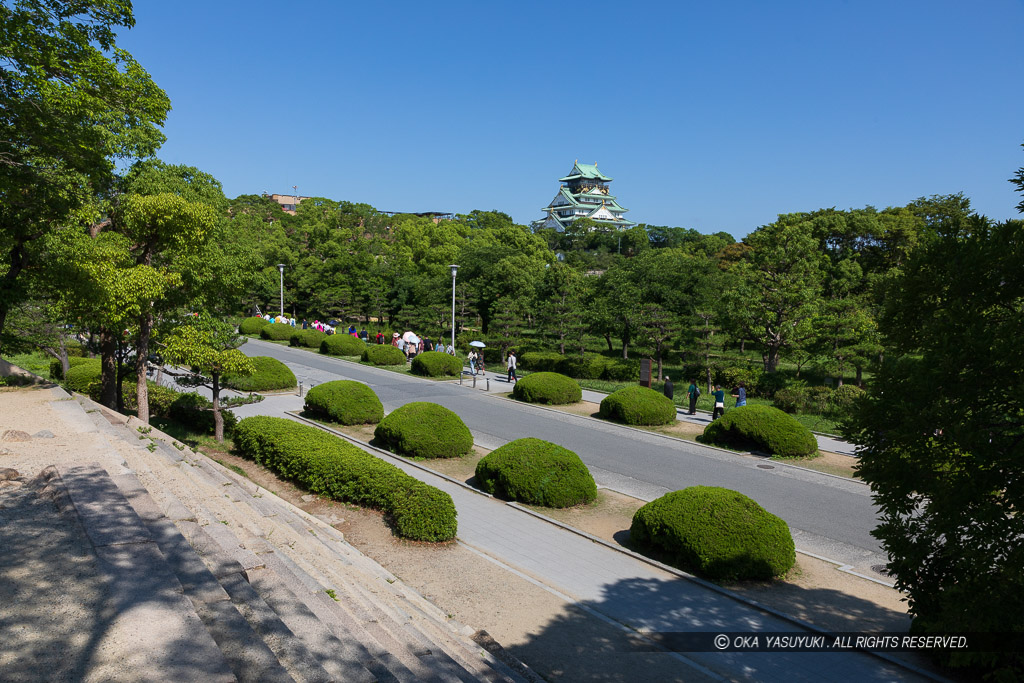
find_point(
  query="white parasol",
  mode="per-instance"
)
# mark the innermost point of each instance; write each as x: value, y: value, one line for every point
x: 478, y: 344
x: 411, y: 338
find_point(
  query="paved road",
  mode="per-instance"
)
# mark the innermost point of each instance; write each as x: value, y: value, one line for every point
x: 829, y: 516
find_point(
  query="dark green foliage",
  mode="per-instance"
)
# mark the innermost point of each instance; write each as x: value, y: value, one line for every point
x: 844, y: 398
x: 310, y: 339
x: 541, y: 361
x: 638, y: 406
x: 715, y: 532
x: 331, y: 467
x: 160, y: 399
x: 271, y: 374
x: 196, y: 411
x: 436, y: 364
x: 383, y: 354
x: 536, y: 472
x: 424, y: 430
x: 277, y: 332
x: 344, y: 345
x: 252, y: 325
x: 345, y: 401
x: 547, y: 387
x: 941, y: 439
x: 730, y: 377
x: 81, y: 375
x: 621, y: 370
x: 762, y: 428
x: 583, y: 367
x: 57, y: 370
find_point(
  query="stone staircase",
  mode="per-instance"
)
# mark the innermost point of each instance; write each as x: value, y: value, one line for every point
x: 280, y: 593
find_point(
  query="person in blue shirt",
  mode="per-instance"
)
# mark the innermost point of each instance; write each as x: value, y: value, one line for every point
x: 741, y: 395
x: 719, y: 397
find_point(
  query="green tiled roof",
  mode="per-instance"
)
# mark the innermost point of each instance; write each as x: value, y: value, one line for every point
x: 585, y: 171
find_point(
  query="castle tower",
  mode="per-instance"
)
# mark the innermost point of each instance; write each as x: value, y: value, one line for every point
x: 583, y: 194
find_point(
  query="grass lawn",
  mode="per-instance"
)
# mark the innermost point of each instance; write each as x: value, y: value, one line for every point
x: 35, y: 362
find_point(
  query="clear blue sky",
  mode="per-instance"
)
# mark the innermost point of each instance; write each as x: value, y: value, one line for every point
x: 714, y: 116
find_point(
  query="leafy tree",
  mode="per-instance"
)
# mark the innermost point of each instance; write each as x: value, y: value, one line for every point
x: 210, y: 348
x: 778, y: 290
x: 941, y: 437
x: 658, y: 326
x: 561, y: 293
x: 71, y: 105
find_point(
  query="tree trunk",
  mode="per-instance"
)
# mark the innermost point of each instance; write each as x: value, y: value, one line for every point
x: 625, y: 350
x: 218, y: 419
x: 860, y: 377
x: 108, y: 363
x: 608, y: 341
x: 743, y: 345
x: 141, y: 359
x: 771, y: 362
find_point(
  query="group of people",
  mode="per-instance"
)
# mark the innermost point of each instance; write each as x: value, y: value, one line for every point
x: 693, y: 393
x: 412, y: 344
x: 476, y: 364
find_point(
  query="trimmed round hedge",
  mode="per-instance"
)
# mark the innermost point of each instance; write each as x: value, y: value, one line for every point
x: 536, y: 472
x: 345, y: 401
x: 277, y: 332
x: 331, y: 467
x: 638, y: 406
x: 424, y: 430
x: 310, y: 339
x: 547, y: 387
x: 271, y: 374
x: 57, y: 370
x: 762, y: 428
x: 383, y: 354
x: 342, y: 345
x: 715, y: 532
x: 252, y: 325
x: 436, y: 364
x: 81, y: 375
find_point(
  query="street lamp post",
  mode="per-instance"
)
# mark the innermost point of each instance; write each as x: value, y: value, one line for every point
x: 280, y: 267
x: 455, y: 269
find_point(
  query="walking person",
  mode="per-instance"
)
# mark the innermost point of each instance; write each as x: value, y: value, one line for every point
x: 741, y: 395
x: 511, y: 364
x: 719, y: 397
x: 694, y: 393
x: 472, y: 361
x: 669, y: 388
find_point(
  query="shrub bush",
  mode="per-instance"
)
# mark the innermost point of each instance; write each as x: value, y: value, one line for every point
x: 160, y: 399
x: 329, y: 466
x: 196, y: 411
x: 536, y: 472
x: 547, y: 387
x: 843, y: 399
x: 310, y: 339
x: 271, y: 374
x: 424, y: 430
x: 252, y: 325
x: 384, y: 354
x: 590, y: 366
x: 790, y: 399
x: 731, y: 376
x: 277, y: 332
x: 541, y: 361
x: 345, y: 401
x: 715, y: 532
x: 344, y: 345
x: 82, y: 374
x: 638, y: 406
x: 436, y: 364
x: 762, y: 428
x: 621, y: 370
x: 57, y: 370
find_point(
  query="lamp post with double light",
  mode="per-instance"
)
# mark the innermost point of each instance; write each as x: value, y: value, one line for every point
x: 280, y: 267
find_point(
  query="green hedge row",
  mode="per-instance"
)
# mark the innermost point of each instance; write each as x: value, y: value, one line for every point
x: 57, y: 370
x: 589, y: 366
x: 346, y: 402
x: 189, y: 409
x: 547, y: 387
x: 342, y: 345
x: 762, y: 428
x: 384, y: 354
x: 715, y: 532
x: 271, y: 374
x: 638, y: 406
x: 277, y: 332
x: 331, y: 467
x: 310, y: 339
x: 436, y: 364
x: 252, y: 325
x: 536, y: 472
x: 82, y: 374
x: 424, y: 430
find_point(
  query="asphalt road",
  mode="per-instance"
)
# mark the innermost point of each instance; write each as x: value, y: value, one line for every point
x: 829, y: 516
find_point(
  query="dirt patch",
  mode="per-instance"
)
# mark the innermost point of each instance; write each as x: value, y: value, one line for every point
x: 608, y: 517
x: 829, y: 463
